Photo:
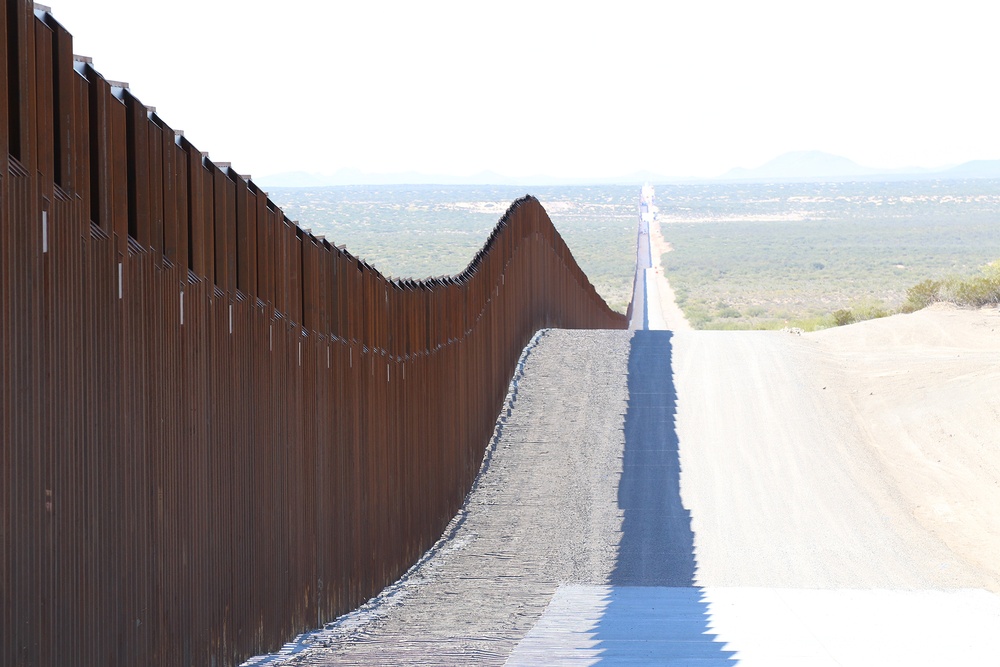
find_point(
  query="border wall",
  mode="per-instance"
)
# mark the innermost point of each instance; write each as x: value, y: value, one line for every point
x: 217, y: 430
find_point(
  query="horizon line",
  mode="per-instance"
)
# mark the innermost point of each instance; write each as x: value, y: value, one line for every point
x: 347, y: 176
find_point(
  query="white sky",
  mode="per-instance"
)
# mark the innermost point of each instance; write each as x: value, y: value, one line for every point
x: 567, y: 89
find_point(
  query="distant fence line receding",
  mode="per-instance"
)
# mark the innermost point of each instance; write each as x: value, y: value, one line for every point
x: 217, y: 429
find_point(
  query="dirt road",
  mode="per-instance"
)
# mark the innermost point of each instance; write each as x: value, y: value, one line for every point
x: 782, y: 483
x: 713, y: 497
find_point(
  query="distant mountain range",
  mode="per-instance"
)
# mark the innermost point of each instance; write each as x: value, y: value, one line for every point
x: 816, y: 165
x: 791, y: 167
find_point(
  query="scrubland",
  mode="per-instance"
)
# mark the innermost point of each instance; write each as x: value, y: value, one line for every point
x: 816, y: 274
x: 744, y: 256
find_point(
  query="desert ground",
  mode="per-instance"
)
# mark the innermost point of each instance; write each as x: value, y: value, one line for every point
x: 923, y: 390
x: 713, y: 497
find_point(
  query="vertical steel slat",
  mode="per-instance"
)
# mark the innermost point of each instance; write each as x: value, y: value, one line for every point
x: 157, y: 184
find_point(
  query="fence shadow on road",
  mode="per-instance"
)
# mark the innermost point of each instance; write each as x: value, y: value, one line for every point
x: 655, y: 612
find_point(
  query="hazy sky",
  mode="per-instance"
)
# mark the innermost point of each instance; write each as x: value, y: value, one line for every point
x: 566, y: 89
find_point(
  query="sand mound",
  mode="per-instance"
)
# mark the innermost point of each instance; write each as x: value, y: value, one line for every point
x: 924, y: 387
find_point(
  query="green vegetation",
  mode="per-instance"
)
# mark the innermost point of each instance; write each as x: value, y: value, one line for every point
x: 860, y: 313
x: 746, y: 256
x: 814, y: 274
x: 972, y: 292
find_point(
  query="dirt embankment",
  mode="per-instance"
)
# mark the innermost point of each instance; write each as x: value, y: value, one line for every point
x: 924, y: 389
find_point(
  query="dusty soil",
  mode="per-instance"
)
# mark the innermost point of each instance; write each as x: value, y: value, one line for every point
x: 924, y: 390
x: 858, y: 458
x: 788, y: 485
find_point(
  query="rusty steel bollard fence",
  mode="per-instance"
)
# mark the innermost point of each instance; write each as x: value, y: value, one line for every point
x: 217, y: 430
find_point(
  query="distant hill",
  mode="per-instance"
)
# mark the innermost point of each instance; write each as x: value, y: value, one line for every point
x: 801, y: 165
x: 817, y: 165
x: 975, y: 169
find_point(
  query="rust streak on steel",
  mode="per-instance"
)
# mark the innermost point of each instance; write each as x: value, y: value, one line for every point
x: 217, y: 430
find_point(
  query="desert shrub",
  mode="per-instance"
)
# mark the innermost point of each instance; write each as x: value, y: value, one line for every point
x: 867, y: 310
x: 972, y: 292
x: 698, y: 313
x: 975, y: 292
x: 982, y: 290
x: 870, y: 311
x: 921, y: 295
x: 815, y: 323
x: 843, y: 316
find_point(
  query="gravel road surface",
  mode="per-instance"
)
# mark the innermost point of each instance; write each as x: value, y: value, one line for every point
x: 544, y: 512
